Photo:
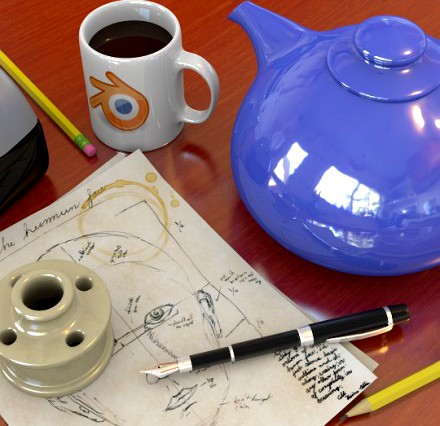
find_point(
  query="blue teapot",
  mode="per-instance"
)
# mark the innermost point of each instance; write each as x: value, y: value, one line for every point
x: 336, y: 147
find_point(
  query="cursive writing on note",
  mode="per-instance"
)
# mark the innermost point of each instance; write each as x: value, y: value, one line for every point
x: 234, y: 281
x: 321, y: 369
x: 86, y: 250
x: 132, y: 305
x: 5, y: 245
x: 247, y: 401
x: 30, y: 229
x: 118, y: 253
x: 247, y: 277
x: 182, y: 322
x: 91, y: 196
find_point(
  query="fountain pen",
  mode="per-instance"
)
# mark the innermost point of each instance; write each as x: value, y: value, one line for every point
x: 344, y: 329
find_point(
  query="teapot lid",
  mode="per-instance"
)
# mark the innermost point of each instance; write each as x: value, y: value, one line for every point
x: 387, y: 59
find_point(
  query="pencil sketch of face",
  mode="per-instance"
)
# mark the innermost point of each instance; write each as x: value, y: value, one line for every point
x: 163, y: 307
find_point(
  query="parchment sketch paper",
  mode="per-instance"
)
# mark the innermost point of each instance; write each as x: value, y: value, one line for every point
x: 176, y: 288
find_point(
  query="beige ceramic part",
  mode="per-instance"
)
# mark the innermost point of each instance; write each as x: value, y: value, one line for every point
x: 55, y: 332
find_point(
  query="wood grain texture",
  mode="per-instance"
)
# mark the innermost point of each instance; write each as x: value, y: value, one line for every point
x: 41, y: 37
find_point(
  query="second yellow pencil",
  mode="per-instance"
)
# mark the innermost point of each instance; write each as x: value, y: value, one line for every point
x: 396, y: 391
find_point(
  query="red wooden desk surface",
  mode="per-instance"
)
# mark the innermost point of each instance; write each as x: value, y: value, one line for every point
x: 41, y: 37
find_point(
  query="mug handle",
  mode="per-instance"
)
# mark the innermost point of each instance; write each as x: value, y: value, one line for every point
x: 187, y: 60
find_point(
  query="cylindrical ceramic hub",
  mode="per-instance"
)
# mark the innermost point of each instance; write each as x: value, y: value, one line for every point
x: 55, y: 331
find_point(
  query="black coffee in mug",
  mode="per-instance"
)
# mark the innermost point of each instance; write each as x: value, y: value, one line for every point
x: 130, y: 39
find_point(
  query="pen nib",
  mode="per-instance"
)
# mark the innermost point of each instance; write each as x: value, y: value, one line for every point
x: 162, y: 370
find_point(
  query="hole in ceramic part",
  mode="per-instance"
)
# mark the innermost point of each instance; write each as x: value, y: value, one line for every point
x: 84, y: 283
x: 14, y: 280
x: 8, y: 337
x: 42, y: 293
x: 74, y: 338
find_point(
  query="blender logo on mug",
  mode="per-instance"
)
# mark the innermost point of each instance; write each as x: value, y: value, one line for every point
x: 124, y: 107
x: 133, y: 64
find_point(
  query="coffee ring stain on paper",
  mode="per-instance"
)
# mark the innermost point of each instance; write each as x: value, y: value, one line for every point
x: 95, y: 248
x: 154, y: 200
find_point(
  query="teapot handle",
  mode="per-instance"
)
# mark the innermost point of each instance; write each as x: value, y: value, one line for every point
x: 191, y: 61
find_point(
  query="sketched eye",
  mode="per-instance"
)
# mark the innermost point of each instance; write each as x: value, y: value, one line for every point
x: 158, y: 315
x: 123, y: 106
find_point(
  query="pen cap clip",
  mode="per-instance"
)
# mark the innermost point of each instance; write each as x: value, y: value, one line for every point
x: 366, y: 334
x: 360, y: 336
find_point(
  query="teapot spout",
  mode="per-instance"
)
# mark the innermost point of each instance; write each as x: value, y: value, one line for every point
x: 272, y: 35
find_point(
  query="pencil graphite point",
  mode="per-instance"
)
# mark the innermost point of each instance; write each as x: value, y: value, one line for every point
x: 362, y: 407
x: 397, y: 390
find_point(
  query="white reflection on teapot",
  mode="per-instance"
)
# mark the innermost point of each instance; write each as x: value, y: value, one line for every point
x: 361, y: 239
x: 417, y: 116
x: 290, y: 162
x: 343, y: 191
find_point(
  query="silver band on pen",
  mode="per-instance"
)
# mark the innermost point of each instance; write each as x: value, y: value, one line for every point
x: 306, y: 336
x: 231, y: 353
x: 388, y: 314
x: 184, y: 364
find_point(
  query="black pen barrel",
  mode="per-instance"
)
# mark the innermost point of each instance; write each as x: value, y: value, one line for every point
x: 319, y: 332
x: 247, y: 349
x: 358, y: 323
x: 266, y: 344
x: 205, y: 359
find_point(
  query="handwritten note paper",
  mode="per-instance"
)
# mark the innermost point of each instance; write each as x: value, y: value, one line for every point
x: 176, y: 288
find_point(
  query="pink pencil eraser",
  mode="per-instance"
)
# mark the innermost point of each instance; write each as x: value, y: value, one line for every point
x: 89, y: 150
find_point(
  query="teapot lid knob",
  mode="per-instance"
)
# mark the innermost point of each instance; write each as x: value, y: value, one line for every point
x: 386, y: 59
x: 389, y: 41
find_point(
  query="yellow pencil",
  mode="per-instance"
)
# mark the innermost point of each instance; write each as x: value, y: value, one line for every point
x: 396, y: 391
x: 49, y: 108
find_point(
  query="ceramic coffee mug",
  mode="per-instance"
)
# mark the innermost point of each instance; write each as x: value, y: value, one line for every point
x: 138, y: 102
